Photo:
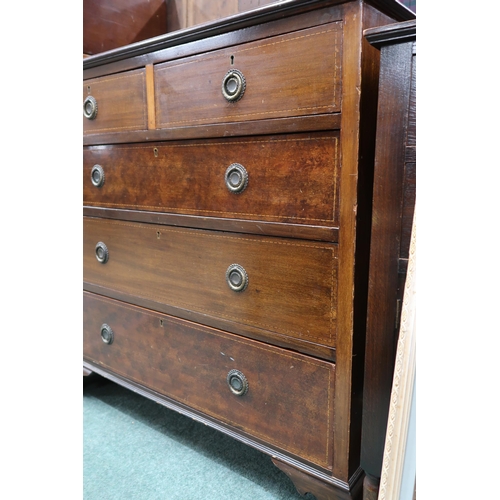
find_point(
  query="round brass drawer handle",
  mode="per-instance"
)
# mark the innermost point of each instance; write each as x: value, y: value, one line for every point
x: 90, y: 108
x: 233, y: 85
x: 236, y: 178
x: 107, y: 334
x: 237, y: 382
x: 97, y: 175
x: 236, y: 277
x: 101, y: 252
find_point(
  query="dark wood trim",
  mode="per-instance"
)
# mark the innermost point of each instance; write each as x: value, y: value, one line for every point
x: 387, y: 268
x: 302, y: 231
x: 238, y: 21
x: 393, y: 33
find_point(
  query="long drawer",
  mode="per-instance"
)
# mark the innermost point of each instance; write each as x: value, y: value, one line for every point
x: 290, y: 178
x: 115, y: 103
x: 285, y: 286
x: 281, y: 76
x: 280, y: 397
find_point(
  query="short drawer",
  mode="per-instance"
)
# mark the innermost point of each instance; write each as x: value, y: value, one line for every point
x: 295, y: 74
x: 288, y: 179
x: 285, y: 286
x: 115, y: 103
x: 280, y: 397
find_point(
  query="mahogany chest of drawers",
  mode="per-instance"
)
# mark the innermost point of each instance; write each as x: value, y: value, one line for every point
x: 227, y: 178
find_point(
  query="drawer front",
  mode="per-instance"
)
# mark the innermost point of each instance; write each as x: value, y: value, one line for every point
x: 286, y: 75
x: 121, y: 103
x: 291, y: 288
x: 289, y: 178
x: 289, y: 400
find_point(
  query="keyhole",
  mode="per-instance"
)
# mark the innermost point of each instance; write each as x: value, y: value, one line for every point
x: 158, y: 234
x: 232, y: 60
x: 155, y: 152
x: 88, y: 89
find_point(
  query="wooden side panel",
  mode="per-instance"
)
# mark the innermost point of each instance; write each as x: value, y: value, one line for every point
x: 291, y: 289
x: 287, y: 75
x: 289, y: 398
x: 291, y: 178
x: 121, y: 102
x: 384, y: 281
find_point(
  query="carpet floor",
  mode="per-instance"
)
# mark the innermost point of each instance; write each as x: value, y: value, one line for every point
x: 136, y: 449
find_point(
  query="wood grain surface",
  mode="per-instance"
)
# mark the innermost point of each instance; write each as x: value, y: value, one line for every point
x: 287, y: 75
x: 292, y: 284
x: 289, y: 402
x: 291, y: 178
x: 121, y: 102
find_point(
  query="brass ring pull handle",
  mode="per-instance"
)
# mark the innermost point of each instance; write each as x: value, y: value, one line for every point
x: 236, y: 278
x: 97, y: 175
x: 101, y: 252
x: 233, y: 85
x: 107, y: 334
x: 236, y: 178
x: 237, y: 382
x: 90, y: 108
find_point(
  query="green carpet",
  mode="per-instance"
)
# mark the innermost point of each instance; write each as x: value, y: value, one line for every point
x: 136, y: 449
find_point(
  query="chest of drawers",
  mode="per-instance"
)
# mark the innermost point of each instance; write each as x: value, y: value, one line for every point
x: 227, y: 179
